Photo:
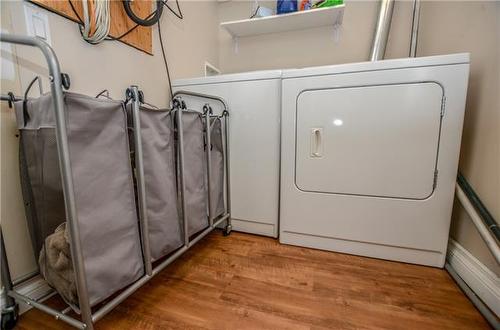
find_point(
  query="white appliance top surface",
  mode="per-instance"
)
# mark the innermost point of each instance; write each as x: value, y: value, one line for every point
x: 223, y: 78
x: 461, y: 58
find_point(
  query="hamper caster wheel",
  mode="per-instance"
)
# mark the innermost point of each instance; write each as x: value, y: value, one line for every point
x: 9, y: 318
x: 227, y: 230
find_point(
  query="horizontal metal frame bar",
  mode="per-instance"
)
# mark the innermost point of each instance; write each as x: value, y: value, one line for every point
x: 201, y: 95
x: 58, y: 315
x: 7, y: 98
x: 99, y: 314
x: 143, y: 280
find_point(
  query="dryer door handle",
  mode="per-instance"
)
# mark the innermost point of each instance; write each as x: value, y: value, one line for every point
x: 316, y: 142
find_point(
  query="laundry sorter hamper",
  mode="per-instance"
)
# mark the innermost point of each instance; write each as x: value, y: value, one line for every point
x: 97, y: 219
x: 103, y: 189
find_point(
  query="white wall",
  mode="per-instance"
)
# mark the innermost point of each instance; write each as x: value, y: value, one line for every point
x: 111, y: 65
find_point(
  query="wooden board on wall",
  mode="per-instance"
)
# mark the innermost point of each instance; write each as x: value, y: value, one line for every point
x: 140, y: 38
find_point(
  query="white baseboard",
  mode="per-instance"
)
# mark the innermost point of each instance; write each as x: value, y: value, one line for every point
x: 34, y: 289
x: 484, y: 283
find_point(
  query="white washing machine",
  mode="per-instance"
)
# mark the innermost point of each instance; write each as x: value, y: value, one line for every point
x: 255, y: 107
x: 369, y: 156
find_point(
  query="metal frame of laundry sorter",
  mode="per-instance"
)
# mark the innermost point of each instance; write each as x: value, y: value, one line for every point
x: 87, y: 316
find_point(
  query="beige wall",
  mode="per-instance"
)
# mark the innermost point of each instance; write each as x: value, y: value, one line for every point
x: 312, y: 47
x: 14, y: 227
x: 449, y: 27
x: 446, y: 27
x: 111, y: 65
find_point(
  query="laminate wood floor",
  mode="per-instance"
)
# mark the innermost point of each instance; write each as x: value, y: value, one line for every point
x: 250, y: 282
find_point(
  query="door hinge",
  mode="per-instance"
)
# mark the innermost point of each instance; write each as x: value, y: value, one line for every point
x: 434, y: 183
x: 443, y: 105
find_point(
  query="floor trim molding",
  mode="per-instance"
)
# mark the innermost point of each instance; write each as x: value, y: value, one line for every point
x: 484, y: 283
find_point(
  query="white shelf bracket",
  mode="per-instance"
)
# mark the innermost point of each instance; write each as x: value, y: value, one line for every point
x: 236, y: 48
x: 337, y: 31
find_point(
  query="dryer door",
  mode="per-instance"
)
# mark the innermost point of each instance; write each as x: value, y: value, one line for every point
x: 379, y: 140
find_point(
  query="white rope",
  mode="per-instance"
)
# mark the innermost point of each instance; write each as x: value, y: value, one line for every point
x: 102, y: 21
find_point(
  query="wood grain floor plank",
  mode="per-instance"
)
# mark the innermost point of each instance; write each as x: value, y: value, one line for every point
x: 251, y: 282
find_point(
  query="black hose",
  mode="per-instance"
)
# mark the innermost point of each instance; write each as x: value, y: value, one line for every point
x: 26, y: 114
x: 479, y: 206
x: 165, y: 61
x: 144, y: 22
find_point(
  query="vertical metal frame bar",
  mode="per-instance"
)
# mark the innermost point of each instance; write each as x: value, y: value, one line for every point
x: 182, y: 190
x: 6, y: 279
x: 141, y: 183
x: 206, y: 112
x: 65, y: 167
x: 227, y: 169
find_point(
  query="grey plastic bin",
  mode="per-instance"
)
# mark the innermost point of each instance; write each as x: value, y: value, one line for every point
x: 158, y: 151
x: 195, y: 171
x: 217, y: 167
x: 103, y: 186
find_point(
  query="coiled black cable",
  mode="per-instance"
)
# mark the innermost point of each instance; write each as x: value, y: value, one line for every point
x: 147, y: 21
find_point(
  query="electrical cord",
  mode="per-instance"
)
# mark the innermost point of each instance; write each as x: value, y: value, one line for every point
x: 80, y: 22
x: 111, y: 38
x: 108, y: 38
x: 255, y: 13
x: 144, y: 22
x: 165, y: 61
x: 102, y: 21
x: 179, y: 14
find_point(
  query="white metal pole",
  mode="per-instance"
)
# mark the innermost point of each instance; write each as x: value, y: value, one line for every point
x: 382, y: 30
x: 476, y: 219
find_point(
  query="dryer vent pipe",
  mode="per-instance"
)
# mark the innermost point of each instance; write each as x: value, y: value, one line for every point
x: 382, y: 30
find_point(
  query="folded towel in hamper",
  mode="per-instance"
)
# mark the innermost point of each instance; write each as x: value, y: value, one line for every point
x: 56, y: 266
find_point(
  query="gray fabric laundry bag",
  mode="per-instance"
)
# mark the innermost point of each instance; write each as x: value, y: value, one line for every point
x: 40, y: 184
x: 158, y: 151
x: 103, y: 186
x: 195, y: 171
x: 217, y: 167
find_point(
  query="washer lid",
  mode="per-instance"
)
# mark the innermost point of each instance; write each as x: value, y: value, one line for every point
x: 377, y: 140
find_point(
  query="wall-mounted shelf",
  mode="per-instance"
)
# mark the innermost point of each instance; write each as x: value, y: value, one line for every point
x: 287, y: 22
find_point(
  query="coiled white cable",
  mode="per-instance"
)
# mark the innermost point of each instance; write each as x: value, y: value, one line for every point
x: 102, y: 21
